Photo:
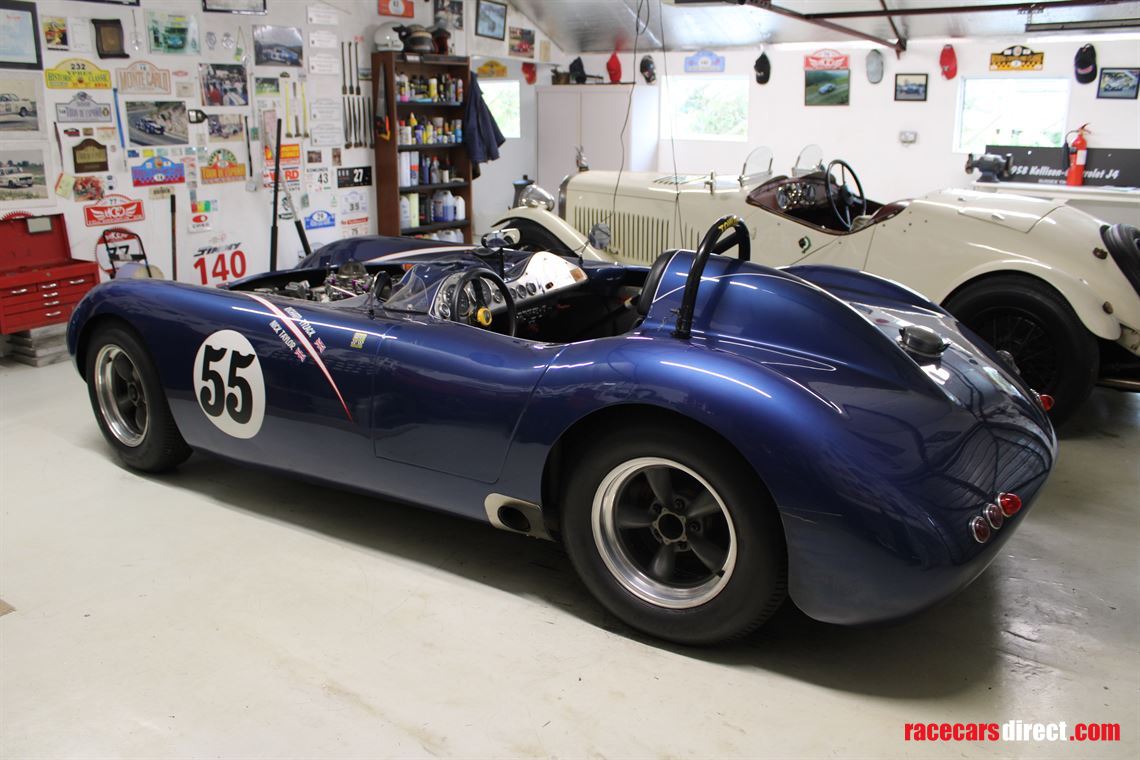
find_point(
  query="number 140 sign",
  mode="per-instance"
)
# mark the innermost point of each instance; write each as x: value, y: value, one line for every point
x: 219, y: 263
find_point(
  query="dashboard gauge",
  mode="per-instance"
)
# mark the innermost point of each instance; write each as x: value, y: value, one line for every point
x: 497, y: 297
x: 531, y: 288
x: 781, y: 198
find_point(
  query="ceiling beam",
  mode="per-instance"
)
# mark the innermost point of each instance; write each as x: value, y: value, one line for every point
x: 1035, y: 7
x: 895, y: 29
x: 899, y: 45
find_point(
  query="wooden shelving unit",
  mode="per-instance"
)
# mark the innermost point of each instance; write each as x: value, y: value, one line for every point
x: 385, y: 66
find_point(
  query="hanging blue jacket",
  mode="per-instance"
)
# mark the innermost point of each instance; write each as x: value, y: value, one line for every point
x: 481, y: 135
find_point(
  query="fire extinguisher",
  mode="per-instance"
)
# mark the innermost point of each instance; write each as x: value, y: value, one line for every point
x: 1078, y: 155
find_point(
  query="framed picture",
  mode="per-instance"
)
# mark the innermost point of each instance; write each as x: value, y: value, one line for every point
x: 278, y: 46
x: 21, y: 105
x: 23, y: 175
x: 450, y: 12
x: 254, y: 7
x: 109, y: 38
x: 172, y: 33
x: 827, y: 87
x: 19, y: 36
x: 1118, y: 84
x: 223, y: 84
x: 163, y: 122
x: 491, y: 19
x: 522, y: 42
x: 910, y: 86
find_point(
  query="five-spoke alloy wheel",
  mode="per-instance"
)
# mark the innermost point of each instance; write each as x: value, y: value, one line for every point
x: 129, y: 402
x: 672, y: 530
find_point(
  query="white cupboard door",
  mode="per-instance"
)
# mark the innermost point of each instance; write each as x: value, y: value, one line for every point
x: 558, y: 114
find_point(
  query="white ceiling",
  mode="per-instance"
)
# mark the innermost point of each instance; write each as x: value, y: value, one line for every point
x: 598, y: 26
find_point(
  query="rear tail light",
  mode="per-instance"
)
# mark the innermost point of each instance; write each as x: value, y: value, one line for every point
x: 1044, y: 399
x: 980, y: 530
x: 994, y: 516
x: 1010, y: 504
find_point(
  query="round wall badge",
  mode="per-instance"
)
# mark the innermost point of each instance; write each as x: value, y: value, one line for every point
x: 229, y: 385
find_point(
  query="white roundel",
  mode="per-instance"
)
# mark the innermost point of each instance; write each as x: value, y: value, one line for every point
x: 229, y: 385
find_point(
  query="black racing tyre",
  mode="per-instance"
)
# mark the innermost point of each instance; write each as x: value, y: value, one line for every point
x: 129, y: 403
x: 672, y: 532
x: 1054, y: 352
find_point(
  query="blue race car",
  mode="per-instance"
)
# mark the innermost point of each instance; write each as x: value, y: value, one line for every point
x: 705, y: 436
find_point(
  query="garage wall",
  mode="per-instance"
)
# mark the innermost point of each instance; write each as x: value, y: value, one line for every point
x: 517, y: 156
x: 866, y: 132
x: 245, y: 217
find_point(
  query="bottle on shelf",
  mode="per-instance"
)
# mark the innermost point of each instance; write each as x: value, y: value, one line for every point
x: 460, y: 209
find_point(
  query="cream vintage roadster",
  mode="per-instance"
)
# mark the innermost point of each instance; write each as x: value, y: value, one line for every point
x: 1055, y: 287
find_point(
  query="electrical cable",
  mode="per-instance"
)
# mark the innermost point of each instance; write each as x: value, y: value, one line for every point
x: 672, y: 140
x: 638, y: 27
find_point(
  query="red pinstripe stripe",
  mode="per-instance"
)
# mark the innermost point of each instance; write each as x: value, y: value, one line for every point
x: 304, y: 341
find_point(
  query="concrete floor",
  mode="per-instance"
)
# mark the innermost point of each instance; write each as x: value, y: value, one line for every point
x: 224, y: 612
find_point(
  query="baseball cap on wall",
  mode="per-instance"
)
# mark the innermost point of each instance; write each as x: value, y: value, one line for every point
x: 1084, y: 64
x: 763, y: 68
x: 948, y: 60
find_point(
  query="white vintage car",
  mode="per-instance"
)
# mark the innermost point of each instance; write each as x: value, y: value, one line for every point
x: 1055, y: 287
x: 11, y: 176
x: 13, y: 105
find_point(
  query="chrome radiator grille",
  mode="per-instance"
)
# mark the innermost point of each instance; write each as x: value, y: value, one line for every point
x: 637, y: 239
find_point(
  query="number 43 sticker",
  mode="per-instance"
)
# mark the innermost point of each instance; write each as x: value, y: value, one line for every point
x: 229, y: 385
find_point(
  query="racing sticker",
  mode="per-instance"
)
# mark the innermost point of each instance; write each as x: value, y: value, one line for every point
x: 1017, y: 58
x: 144, y: 78
x: 229, y: 385
x: 320, y: 219
x: 354, y: 176
x: 113, y: 209
x: 158, y: 171
x: 77, y: 74
x: 82, y: 108
x: 222, y: 166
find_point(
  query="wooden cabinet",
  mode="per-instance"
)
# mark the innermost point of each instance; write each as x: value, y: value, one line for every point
x: 387, y: 67
x: 592, y: 115
x: 40, y: 283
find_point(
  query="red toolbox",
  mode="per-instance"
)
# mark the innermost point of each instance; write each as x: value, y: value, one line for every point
x: 40, y: 282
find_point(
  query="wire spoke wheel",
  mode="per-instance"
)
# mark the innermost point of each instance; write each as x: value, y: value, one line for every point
x: 121, y: 395
x: 1026, y: 339
x: 664, y: 533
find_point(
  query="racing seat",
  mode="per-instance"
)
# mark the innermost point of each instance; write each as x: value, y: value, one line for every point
x: 652, y: 280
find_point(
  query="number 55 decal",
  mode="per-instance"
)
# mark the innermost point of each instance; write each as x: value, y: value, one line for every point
x: 228, y: 384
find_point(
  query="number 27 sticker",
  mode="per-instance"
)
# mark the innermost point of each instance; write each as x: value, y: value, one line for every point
x: 229, y: 385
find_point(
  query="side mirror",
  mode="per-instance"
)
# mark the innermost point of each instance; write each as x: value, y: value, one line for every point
x: 496, y: 240
x: 600, y: 236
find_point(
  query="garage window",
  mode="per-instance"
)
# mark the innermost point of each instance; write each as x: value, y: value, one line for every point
x: 1011, y: 112
x: 502, y: 97
x: 706, y: 108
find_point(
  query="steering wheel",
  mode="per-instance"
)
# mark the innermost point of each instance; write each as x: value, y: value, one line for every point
x: 481, y: 314
x: 841, y: 197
